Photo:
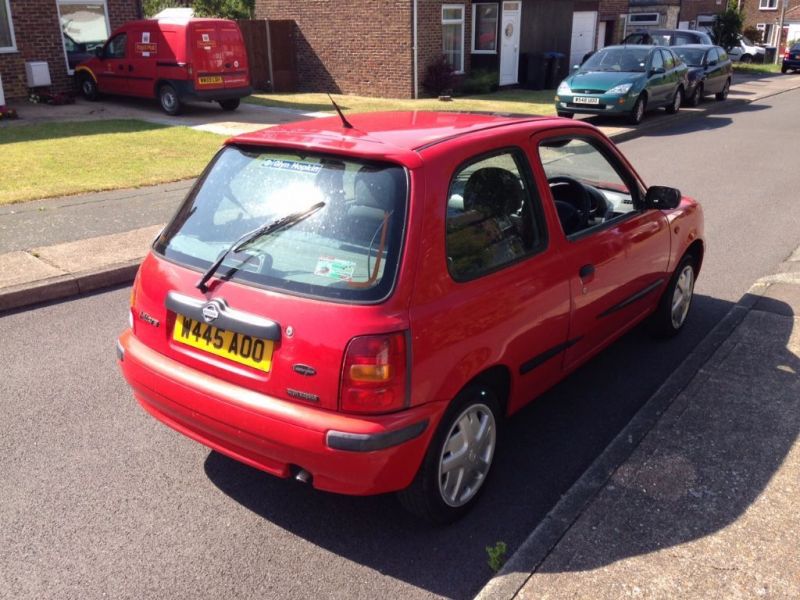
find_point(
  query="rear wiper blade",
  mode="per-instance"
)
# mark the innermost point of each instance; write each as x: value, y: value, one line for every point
x: 282, y: 223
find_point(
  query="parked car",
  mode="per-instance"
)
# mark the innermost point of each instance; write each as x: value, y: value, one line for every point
x: 359, y: 304
x: 624, y: 80
x: 746, y: 51
x: 710, y: 72
x: 791, y: 59
x: 668, y: 37
x: 172, y: 60
x: 77, y: 52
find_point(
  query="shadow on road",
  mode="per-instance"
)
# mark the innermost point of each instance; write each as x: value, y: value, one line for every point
x: 544, y: 450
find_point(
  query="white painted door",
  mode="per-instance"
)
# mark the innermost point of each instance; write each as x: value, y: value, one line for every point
x: 509, y: 45
x: 584, y: 24
x: 601, y: 36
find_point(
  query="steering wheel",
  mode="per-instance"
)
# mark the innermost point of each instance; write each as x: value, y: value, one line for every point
x: 572, y: 193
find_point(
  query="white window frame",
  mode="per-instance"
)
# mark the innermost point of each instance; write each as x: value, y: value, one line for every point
x: 59, y: 3
x: 13, y: 46
x: 475, y: 25
x: 652, y: 21
x: 460, y: 21
x: 761, y: 4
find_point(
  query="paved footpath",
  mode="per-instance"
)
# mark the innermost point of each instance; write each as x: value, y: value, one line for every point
x: 697, y: 496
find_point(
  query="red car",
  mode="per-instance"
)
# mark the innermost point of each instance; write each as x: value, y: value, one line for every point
x: 172, y: 60
x: 359, y: 306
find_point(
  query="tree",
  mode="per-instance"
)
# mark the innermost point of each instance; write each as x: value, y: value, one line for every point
x: 727, y: 27
x: 226, y: 9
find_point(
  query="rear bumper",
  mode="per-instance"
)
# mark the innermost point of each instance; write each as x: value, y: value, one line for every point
x: 187, y: 91
x: 343, y: 453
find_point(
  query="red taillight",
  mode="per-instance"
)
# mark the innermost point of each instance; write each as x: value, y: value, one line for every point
x: 374, y: 374
x: 787, y: 55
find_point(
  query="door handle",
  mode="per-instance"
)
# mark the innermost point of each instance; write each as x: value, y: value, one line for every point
x: 586, y: 272
x: 130, y: 68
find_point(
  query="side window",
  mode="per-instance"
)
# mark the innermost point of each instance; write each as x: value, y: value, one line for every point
x: 722, y: 55
x: 712, y: 56
x: 116, y: 46
x: 493, y: 216
x: 587, y: 188
x: 669, y: 60
x: 656, y: 62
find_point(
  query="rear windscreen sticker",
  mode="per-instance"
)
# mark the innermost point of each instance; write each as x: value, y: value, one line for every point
x: 333, y: 268
x: 292, y: 165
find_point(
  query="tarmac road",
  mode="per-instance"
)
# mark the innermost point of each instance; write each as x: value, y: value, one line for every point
x: 98, y: 499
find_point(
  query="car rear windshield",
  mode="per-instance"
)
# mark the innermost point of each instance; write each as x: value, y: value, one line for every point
x: 346, y: 247
x: 691, y: 56
x: 629, y: 60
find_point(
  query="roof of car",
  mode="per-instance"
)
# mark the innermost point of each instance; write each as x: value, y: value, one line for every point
x: 383, y: 134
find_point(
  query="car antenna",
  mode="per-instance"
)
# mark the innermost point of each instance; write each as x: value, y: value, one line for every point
x: 345, y: 123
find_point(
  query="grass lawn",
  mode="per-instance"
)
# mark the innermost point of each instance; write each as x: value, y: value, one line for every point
x: 505, y: 101
x: 56, y: 159
x: 740, y: 67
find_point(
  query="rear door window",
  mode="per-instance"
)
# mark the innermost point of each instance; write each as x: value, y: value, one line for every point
x: 349, y: 249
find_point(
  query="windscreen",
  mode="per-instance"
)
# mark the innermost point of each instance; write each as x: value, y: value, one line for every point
x: 349, y: 249
x: 629, y: 60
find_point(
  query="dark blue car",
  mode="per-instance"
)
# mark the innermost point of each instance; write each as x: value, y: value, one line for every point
x: 710, y: 71
x: 791, y: 60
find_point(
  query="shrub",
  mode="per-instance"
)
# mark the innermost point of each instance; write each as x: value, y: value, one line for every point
x: 753, y: 34
x: 480, y: 81
x: 727, y: 27
x: 439, y: 77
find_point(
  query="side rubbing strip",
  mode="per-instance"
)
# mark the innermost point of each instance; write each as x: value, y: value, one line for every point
x: 631, y: 299
x: 530, y: 365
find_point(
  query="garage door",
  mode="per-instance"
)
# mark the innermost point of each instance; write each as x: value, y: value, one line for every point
x: 584, y: 24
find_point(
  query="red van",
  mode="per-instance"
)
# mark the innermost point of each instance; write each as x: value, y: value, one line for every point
x: 172, y: 60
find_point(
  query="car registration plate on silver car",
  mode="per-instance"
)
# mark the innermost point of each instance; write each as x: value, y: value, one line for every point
x: 585, y: 100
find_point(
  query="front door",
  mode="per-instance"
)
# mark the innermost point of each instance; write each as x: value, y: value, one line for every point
x: 112, y: 76
x: 509, y: 46
x: 584, y: 23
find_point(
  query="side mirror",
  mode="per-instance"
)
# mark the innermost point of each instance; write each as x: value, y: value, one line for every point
x: 662, y: 198
x: 658, y: 71
x: 98, y: 51
x: 712, y: 63
x: 575, y: 67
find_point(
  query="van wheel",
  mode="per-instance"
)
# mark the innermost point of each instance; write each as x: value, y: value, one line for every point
x: 677, y: 100
x: 169, y: 100
x: 88, y: 88
x: 458, y: 460
x: 231, y: 104
x: 673, y: 309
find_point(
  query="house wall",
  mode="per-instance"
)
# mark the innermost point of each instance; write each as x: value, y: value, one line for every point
x: 690, y: 9
x: 753, y: 15
x: 38, y: 37
x: 349, y: 46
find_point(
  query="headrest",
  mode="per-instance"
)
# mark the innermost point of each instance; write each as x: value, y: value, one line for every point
x: 493, y: 191
x: 375, y: 188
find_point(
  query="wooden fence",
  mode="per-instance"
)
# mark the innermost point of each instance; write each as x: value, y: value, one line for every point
x: 270, y: 52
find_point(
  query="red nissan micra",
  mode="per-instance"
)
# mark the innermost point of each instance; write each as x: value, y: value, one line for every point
x: 358, y: 306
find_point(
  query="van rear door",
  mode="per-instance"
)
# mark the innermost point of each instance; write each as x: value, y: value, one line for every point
x: 219, y: 56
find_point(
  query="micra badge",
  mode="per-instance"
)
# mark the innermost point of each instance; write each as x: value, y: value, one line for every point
x: 148, y: 319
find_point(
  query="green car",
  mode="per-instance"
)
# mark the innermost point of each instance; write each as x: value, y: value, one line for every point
x: 624, y: 80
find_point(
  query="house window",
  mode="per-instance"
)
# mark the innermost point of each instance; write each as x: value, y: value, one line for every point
x: 644, y: 18
x: 453, y: 35
x: 484, y: 28
x: 84, y: 27
x: 768, y: 4
x: 7, y: 41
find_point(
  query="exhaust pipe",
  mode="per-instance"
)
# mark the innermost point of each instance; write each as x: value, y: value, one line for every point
x: 302, y: 476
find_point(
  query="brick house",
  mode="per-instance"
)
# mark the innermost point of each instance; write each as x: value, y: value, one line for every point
x: 368, y: 46
x: 56, y: 32
x: 765, y: 16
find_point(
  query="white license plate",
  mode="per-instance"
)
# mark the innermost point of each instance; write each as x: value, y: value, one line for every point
x: 585, y: 100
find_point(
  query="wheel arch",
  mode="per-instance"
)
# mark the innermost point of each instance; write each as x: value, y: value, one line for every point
x: 697, y: 250
x: 498, y: 378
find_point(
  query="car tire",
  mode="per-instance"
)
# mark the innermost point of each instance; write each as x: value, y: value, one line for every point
x: 697, y: 96
x: 230, y: 104
x: 637, y: 113
x: 746, y: 59
x: 677, y: 100
x: 438, y: 494
x: 566, y: 115
x: 673, y: 308
x: 88, y: 87
x: 169, y: 100
x: 784, y: 69
x: 723, y: 95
